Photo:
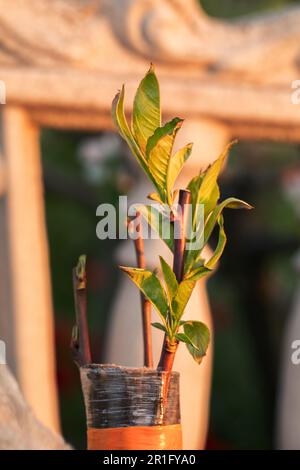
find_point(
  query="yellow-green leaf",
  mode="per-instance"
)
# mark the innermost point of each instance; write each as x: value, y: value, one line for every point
x: 150, y: 286
x: 205, y: 186
x: 197, y: 273
x: 198, y: 338
x: 159, y: 222
x: 159, y: 151
x: 182, y: 297
x: 146, y: 116
x: 210, y: 176
x: 220, y: 246
x: 170, y: 279
x: 230, y: 203
x: 185, y: 339
x: 175, y: 165
x: 160, y: 326
x: 120, y: 121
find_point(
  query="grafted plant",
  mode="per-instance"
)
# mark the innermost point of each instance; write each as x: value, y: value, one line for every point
x: 151, y: 142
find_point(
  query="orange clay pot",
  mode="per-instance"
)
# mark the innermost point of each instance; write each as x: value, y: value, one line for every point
x: 126, y: 408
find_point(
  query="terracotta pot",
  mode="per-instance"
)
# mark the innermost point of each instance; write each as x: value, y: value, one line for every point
x: 126, y: 408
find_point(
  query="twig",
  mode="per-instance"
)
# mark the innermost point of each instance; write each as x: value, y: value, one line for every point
x: 145, y: 304
x: 169, y: 349
x: 80, y: 342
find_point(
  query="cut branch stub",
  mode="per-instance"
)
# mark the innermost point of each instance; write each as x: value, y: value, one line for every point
x: 80, y: 342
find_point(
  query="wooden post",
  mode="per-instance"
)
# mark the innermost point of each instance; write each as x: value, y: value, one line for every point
x: 6, y: 324
x: 2, y: 177
x: 32, y: 309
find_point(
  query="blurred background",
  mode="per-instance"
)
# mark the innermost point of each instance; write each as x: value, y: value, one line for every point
x: 251, y: 294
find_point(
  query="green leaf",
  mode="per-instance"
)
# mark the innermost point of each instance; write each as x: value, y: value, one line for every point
x: 230, y: 203
x: 185, y: 339
x: 146, y: 116
x: 159, y: 326
x: 199, y: 337
x: 204, y: 187
x: 159, y: 151
x: 208, y: 193
x: 212, y: 202
x: 220, y: 246
x: 150, y: 286
x: 161, y: 132
x: 199, y: 263
x: 170, y: 279
x: 159, y: 222
x: 197, y: 273
x: 175, y: 165
x: 120, y: 121
x: 190, y: 260
x: 194, y: 188
x: 182, y: 297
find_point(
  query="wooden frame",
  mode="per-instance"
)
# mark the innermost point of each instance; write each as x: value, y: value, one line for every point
x: 33, y: 330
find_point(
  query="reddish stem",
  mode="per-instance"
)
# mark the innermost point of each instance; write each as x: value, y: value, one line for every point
x: 146, y: 305
x: 169, y: 349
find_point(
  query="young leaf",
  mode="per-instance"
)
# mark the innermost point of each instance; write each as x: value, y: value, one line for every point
x: 146, y: 109
x: 190, y: 260
x: 159, y: 151
x: 205, y: 188
x: 194, y: 188
x: 150, y: 286
x: 220, y: 246
x: 175, y: 166
x: 170, y: 279
x: 199, y: 337
x: 230, y: 203
x: 212, y: 202
x: 159, y: 222
x: 208, y: 193
x: 159, y: 326
x: 120, y: 121
x: 197, y: 273
x: 182, y: 297
x: 185, y: 339
x: 166, y: 130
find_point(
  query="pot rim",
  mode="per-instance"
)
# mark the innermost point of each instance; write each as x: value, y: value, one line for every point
x: 114, y: 368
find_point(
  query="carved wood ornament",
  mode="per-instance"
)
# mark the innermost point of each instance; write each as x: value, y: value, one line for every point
x: 64, y: 60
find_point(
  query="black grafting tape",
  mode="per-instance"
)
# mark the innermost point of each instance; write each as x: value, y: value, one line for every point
x: 118, y: 396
